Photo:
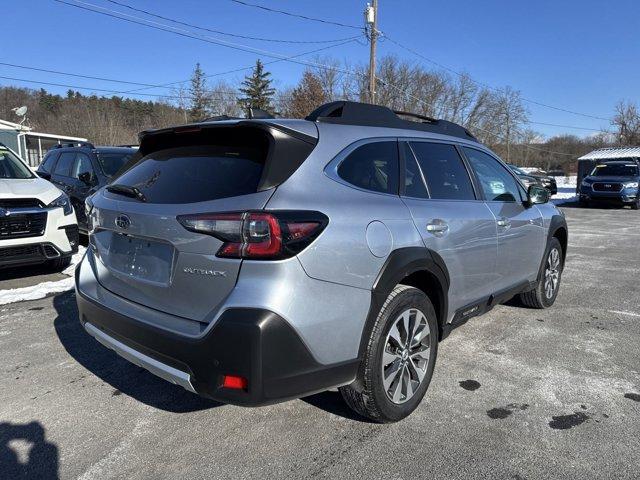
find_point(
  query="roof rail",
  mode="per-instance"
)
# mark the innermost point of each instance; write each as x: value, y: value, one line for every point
x: 74, y: 144
x: 355, y: 113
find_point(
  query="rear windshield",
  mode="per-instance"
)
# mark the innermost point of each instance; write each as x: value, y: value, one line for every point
x: 615, y: 170
x: 200, y: 173
x: 12, y: 167
x: 111, y: 162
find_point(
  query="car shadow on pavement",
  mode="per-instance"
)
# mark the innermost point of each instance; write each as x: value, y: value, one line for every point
x: 332, y: 402
x: 25, y: 452
x: 125, y: 377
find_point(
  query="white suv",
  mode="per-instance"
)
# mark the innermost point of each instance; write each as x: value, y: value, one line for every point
x: 37, y: 221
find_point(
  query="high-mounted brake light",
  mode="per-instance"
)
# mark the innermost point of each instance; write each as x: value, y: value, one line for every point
x: 258, y: 235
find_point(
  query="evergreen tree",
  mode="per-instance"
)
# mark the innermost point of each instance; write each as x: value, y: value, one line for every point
x: 257, y: 90
x: 199, y: 99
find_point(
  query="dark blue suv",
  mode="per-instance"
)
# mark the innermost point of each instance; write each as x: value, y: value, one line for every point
x: 80, y: 169
x: 614, y: 181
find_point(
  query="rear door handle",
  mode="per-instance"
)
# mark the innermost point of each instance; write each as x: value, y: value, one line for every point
x: 504, y: 222
x: 437, y: 227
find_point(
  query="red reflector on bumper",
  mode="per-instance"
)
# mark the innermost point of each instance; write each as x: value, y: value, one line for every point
x: 232, y: 381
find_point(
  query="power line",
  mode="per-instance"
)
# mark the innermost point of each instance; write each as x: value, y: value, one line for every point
x: 188, y: 34
x: 57, y: 72
x: 565, y: 126
x: 296, y: 15
x: 76, y: 87
x: 444, y: 67
x: 219, y: 32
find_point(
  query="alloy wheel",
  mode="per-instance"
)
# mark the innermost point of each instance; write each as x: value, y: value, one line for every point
x: 405, y: 358
x: 552, y: 273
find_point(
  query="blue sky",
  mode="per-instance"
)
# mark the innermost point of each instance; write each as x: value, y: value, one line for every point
x: 578, y: 55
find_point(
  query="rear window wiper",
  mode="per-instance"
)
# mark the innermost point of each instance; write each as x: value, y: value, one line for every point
x: 127, y: 191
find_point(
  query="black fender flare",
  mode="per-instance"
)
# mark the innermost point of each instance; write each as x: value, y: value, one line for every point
x: 557, y: 222
x: 400, y: 264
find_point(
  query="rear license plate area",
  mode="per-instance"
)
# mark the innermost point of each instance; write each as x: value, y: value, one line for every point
x: 135, y: 257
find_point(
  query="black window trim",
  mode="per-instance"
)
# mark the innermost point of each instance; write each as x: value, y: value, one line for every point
x: 504, y: 166
x: 331, y: 169
x: 477, y: 192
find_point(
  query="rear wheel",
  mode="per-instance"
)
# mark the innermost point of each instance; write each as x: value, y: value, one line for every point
x: 636, y: 205
x: 546, y: 290
x: 399, y: 360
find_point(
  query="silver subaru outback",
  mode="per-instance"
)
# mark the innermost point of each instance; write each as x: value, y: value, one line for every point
x: 258, y: 260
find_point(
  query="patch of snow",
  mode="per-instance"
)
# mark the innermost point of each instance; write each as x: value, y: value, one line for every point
x: 43, y: 289
x: 567, y: 182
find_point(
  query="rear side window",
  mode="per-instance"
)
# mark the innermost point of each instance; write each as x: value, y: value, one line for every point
x: 47, y: 164
x: 196, y: 174
x: 63, y: 167
x: 447, y: 177
x: 373, y: 166
x: 82, y: 165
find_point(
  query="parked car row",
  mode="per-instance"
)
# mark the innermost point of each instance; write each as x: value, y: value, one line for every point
x: 541, y: 179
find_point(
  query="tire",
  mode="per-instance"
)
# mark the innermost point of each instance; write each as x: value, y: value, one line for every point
x: 59, y: 264
x: 636, y: 205
x: 542, y: 296
x: 368, y: 395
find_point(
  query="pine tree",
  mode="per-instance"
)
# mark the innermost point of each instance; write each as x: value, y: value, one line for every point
x: 257, y: 90
x: 199, y: 100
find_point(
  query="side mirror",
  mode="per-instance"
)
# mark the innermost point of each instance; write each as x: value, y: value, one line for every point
x: 86, y: 178
x: 537, y: 195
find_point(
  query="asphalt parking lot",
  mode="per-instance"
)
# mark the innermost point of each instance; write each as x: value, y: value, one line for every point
x: 517, y: 394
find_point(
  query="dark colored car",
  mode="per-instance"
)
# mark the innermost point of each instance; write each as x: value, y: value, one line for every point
x: 546, y: 181
x: 613, y: 182
x: 524, y: 177
x: 80, y: 169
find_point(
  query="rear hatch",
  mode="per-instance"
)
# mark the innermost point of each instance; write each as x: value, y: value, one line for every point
x: 143, y: 253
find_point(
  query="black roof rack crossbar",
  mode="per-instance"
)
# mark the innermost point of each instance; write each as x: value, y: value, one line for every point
x: 365, y: 114
x: 74, y: 144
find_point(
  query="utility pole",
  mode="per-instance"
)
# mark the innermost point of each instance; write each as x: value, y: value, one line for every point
x: 371, y: 21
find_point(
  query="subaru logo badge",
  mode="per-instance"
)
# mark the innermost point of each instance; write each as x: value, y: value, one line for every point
x: 608, y: 185
x: 123, y: 221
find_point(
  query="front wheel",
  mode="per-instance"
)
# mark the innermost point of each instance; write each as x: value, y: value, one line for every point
x: 399, y: 360
x: 546, y: 290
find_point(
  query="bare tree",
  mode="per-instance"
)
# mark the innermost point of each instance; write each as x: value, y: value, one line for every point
x: 627, y: 123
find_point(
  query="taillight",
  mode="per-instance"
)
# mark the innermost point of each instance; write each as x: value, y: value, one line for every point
x: 258, y: 235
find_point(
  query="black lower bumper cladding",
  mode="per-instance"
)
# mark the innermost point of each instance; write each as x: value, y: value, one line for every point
x: 252, y: 343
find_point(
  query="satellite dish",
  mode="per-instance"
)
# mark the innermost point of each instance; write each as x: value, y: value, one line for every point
x: 21, y: 111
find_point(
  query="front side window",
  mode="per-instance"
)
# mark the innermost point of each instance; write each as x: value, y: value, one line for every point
x: 496, y: 182
x: 373, y: 166
x: 12, y: 167
x: 443, y: 169
x: 63, y: 167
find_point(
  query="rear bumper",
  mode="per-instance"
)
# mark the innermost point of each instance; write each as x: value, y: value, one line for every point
x: 249, y: 342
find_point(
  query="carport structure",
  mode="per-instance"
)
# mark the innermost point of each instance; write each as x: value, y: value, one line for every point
x: 30, y: 145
